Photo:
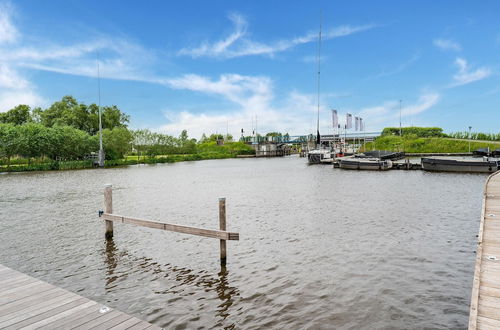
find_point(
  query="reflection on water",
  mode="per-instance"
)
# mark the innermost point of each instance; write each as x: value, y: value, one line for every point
x: 320, y: 248
x: 183, y: 278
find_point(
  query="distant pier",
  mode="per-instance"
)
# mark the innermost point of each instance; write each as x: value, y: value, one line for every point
x: 28, y: 303
x: 485, y: 298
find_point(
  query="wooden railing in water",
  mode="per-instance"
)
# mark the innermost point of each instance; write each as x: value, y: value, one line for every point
x: 220, y: 234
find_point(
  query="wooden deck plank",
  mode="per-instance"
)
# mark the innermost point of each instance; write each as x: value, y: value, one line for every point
x: 114, y: 321
x: 126, y: 325
x: 142, y: 325
x: 25, y: 292
x: 28, y: 303
x: 70, y: 320
x: 485, y: 298
x: 71, y: 310
x: 488, y: 322
x: 98, y: 321
x: 35, y: 310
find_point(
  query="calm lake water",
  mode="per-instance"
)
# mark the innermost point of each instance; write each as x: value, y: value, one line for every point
x: 319, y: 247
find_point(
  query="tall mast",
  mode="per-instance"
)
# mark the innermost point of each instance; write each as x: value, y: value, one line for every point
x: 101, y: 151
x: 319, y: 71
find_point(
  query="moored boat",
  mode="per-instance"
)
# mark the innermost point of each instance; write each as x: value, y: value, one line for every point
x: 482, y: 152
x: 357, y: 163
x: 383, y: 154
x: 320, y: 156
x: 460, y: 165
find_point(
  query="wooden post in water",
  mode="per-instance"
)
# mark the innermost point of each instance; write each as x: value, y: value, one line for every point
x: 222, y: 226
x: 108, y: 208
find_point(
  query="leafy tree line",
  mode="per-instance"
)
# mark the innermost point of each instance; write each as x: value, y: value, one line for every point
x: 68, y: 112
x: 68, y: 130
x: 475, y: 136
x: 33, y: 140
x: 413, y: 130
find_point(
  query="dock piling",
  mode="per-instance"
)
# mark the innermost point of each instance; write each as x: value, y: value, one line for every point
x: 108, y: 208
x: 222, y: 226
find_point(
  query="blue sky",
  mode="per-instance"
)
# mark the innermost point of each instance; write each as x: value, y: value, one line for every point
x: 208, y: 65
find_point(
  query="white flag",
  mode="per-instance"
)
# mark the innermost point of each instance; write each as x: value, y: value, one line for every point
x: 356, y: 123
x: 348, y: 121
x: 335, y: 119
x: 361, y: 124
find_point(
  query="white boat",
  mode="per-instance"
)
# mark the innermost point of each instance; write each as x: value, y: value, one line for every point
x: 321, y: 156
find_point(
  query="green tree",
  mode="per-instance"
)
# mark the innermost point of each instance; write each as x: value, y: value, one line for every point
x: 19, y: 115
x: 9, y: 136
x: 33, y: 140
x: 117, y: 142
x: 68, y: 112
x: 69, y: 143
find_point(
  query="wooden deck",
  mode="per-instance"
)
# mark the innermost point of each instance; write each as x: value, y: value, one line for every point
x: 28, y: 303
x: 485, y: 299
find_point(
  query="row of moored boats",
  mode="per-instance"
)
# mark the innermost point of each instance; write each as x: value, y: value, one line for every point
x: 485, y: 161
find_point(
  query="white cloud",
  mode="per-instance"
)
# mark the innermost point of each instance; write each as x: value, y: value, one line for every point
x: 15, y: 89
x: 11, y: 79
x: 445, y: 44
x: 401, y: 67
x: 247, y: 91
x: 120, y: 59
x: 237, y: 44
x: 11, y: 98
x: 254, y: 96
x: 251, y: 96
x: 387, y: 114
x: 465, y: 75
x: 8, y: 33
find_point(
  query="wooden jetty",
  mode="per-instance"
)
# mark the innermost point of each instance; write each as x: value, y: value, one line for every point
x: 28, y: 303
x: 485, y: 298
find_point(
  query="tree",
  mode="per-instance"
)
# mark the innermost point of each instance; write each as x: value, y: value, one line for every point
x: 69, y: 143
x: 117, y: 142
x: 33, y: 140
x: 19, y: 115
x: 8, y: 141
x: 68, y: 112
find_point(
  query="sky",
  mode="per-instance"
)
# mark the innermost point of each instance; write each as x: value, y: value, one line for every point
x: 217, y: 66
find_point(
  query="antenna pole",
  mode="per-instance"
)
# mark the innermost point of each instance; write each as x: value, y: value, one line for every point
x: 319, y: 66
x: 101, y: 151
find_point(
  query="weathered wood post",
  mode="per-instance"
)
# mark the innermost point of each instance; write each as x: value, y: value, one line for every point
x: 108, y: 208
x: 222, y: 226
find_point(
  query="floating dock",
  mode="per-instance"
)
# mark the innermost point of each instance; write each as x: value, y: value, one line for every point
x: 28, y: 303
x: 485, y: 298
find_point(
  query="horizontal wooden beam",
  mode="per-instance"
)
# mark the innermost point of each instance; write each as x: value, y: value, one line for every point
x: 219, y: 234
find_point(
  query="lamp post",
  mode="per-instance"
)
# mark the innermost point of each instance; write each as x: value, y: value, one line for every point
x: 470, y: 127
x: 400, y: 128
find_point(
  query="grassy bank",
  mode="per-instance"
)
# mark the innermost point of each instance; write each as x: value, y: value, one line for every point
x: 21, y: 165
x: 412, y: 144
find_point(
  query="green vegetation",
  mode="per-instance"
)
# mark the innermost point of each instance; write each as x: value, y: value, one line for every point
x: 475, y: 136
x: 415, y: 144
x: 65, y: 136
x: 414, y: 131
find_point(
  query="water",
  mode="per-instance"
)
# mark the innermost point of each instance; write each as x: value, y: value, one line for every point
x: 319, y: 247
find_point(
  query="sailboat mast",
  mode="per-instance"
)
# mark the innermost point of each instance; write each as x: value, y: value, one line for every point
x: 101, y: 150
x: 319, y: 73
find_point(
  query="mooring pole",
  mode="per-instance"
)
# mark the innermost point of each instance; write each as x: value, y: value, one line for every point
x: 222, y: 226
x: 108, y: 208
